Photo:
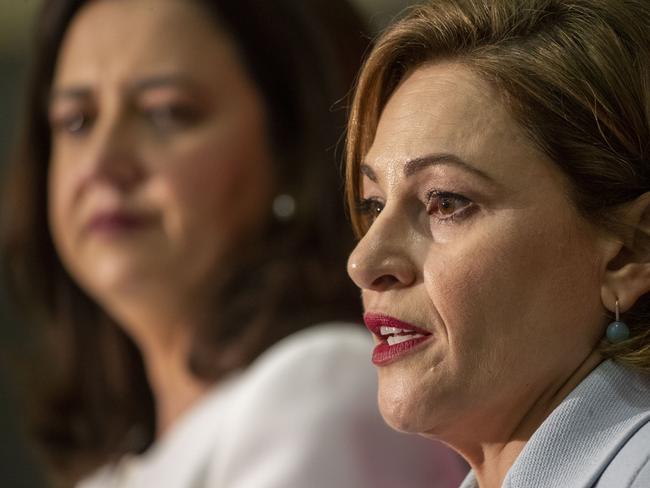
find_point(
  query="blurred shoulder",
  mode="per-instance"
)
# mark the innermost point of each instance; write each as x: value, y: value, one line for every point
x: 313, y: 396
x: 329, y: 360
x: 333, y: 352
x: 345, y: 337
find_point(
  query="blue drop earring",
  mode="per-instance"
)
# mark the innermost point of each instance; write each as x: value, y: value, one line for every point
x: 617, y: 331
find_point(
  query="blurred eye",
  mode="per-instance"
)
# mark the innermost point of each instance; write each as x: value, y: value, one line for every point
x: 169, y: 117
x: 74, y: 124
x: 447, y: 205
x: 370, y: 208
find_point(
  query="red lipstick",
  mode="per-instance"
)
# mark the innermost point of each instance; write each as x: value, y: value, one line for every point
x: 397, y: 338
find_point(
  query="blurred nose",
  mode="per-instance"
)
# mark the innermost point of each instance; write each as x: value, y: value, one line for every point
x: 112, y: 157
x: 381, y: 260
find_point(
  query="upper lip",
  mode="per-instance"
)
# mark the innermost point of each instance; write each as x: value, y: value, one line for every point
x: 124, y: 217
x: 375, y: 321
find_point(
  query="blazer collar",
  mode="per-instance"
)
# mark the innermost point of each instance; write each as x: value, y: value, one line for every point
x: 582, y: 435
x: 574, y: 445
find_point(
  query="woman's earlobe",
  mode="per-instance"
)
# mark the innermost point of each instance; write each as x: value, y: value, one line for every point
x: 627, y: 284
x: 627, y: 275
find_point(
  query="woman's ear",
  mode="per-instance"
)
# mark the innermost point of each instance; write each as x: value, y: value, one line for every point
x: 627, y: 276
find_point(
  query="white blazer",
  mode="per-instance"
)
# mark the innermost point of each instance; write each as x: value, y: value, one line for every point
x: 303, y: 415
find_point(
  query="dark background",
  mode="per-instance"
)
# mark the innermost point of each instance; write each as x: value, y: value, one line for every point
x: 17, y: 466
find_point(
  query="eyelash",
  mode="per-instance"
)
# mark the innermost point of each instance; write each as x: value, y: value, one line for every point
x: 74, y: 124
x: 171, y: 116
x: 370, y: 208
x: 164, y: 117
x: 441, y: 196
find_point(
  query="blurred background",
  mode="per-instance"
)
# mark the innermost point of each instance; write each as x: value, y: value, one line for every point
x: 17, y: 465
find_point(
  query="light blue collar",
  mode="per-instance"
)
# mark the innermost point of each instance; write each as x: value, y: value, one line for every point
x: 582, y: 435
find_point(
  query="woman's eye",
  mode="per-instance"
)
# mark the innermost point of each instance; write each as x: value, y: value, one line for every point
x: 74, y: 124
x: 370, y: 208
x: 446, y: 205
x: 169, y: 117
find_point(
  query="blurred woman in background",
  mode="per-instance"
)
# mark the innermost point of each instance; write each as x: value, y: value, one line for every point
x: 172, y: 217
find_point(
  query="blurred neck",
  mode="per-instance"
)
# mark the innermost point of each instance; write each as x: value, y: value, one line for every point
x: 163, y: 331
x: 175, y: 388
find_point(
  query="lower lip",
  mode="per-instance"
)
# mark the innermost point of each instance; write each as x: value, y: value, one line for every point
x: 113, y: 225
x: 384, y: 353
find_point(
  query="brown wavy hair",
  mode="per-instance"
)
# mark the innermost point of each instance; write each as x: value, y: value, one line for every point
x: 575, y: 74
x: 97, y: 404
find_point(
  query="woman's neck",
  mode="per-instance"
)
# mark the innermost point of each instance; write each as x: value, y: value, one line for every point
x: 175, y: 388
x: 491, y: 460
x: 163, y: 332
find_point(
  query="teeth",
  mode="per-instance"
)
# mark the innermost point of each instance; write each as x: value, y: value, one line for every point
x: 392, y: 340
x: 383, y: 330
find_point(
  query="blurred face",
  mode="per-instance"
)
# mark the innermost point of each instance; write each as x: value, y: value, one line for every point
x: 479, y: 279
x: 160, y: 161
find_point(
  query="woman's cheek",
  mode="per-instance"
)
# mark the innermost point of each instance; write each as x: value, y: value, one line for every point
x: 469, y: 282
x: 61, y: 213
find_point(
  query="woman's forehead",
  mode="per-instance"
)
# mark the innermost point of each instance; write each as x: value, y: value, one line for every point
x: 163, y: 36
x: 444, y: 115
x: 439, y: 109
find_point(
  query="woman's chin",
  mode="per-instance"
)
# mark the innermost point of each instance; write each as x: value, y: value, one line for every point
x: 110, y: 279
x: 402, y: 412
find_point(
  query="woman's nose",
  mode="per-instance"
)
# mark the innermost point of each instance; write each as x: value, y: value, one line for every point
x: 381, y: 260
x: 113, y: 156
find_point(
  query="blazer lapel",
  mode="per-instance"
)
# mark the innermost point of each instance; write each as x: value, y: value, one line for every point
x: 582, y: 435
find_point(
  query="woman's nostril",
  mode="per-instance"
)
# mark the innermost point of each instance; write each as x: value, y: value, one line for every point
x: 384, y: 282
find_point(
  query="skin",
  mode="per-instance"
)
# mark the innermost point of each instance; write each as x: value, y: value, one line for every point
x: 172, y: 132
x: 502, y: 270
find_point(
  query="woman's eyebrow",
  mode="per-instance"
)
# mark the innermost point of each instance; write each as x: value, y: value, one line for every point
x: 69, y: 93
x: 80, y: 92
x: 413, y: 166
x: 158, y: 81
x: 366, y: 170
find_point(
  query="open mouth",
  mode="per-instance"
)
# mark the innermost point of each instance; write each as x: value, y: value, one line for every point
x: 397, y: 338
x: 396, y: 335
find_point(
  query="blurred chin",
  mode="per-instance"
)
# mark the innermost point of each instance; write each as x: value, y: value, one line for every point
x: 115, y: 275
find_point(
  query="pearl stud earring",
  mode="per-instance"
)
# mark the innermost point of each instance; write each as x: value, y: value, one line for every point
x: 284, y: 207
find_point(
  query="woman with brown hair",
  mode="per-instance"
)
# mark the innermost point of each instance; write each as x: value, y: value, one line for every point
x: 172, y: 220
x: 499, y: 176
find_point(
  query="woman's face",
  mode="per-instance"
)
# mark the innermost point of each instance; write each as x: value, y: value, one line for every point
x: 160, y: 161
x: 476, y: 242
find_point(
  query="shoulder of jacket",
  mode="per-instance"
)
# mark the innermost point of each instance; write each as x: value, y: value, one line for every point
x: 324, y: 344
x: 314, y: 379
x: 630, y: 468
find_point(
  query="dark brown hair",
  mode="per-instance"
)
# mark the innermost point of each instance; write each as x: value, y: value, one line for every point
x: 574, y: 73
x: 303, y: 55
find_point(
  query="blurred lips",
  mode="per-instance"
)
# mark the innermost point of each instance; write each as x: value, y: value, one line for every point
x: 397, y: 338
x: 114, y: 222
